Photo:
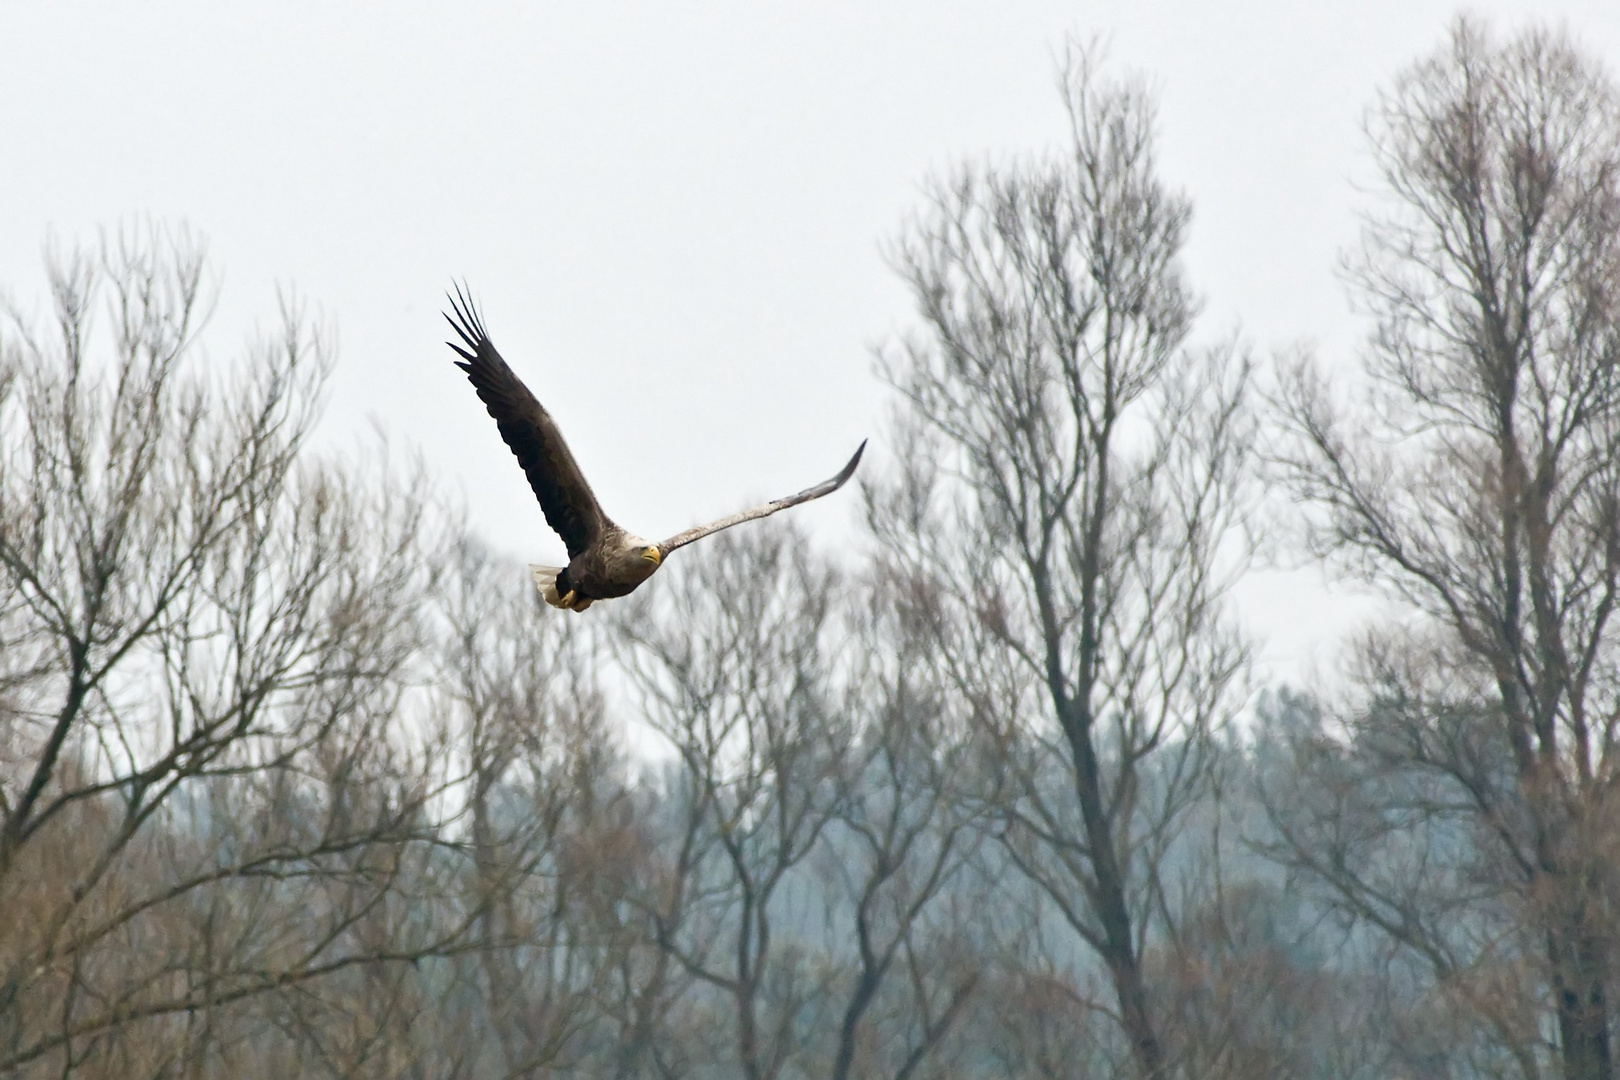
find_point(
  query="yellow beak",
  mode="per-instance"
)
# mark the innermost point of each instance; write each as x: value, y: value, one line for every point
x: 653, y: 555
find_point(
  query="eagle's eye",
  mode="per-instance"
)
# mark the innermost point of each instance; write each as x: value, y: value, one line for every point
x: 651, y: 554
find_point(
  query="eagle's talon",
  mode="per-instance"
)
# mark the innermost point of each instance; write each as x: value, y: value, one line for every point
x: 566, y: 599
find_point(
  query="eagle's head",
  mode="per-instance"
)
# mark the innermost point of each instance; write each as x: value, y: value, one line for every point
x: 636, y: 559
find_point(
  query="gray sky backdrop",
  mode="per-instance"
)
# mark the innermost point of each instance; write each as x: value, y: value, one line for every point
x: 678, y: 207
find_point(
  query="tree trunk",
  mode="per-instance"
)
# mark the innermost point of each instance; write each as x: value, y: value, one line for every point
x: 1579, y: 985
x: 1124, y: 966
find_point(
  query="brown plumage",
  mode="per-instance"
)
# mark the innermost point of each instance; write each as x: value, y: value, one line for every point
x: 604, y: 560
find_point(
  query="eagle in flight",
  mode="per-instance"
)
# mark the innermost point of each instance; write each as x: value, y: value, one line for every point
x: 604, y: 561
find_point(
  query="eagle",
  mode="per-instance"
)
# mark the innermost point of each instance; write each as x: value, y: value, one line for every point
x: 604, y: 561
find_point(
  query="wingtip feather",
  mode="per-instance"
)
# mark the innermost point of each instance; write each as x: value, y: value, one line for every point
x: 849, y: 470
x: 465, y: 322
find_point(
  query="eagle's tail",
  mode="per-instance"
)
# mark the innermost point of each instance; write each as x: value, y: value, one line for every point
x: 545, y: 579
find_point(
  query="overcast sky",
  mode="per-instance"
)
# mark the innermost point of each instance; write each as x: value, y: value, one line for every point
x: 673, y: 215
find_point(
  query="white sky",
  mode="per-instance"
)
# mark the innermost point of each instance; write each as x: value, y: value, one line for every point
x: 677, y: 208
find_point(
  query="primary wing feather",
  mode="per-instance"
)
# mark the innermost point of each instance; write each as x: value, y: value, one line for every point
x: 565, y: 496
x: 826, y: 487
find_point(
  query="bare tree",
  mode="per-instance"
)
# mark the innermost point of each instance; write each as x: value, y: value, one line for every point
x: 906, y: 829
x: 1075, y: 477
x: 546, y: 806
x: 207, y: 636
x: 1479, y: 485
x: 739, y: 677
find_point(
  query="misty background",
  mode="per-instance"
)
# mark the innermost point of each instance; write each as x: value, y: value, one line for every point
x: 1046, y: 750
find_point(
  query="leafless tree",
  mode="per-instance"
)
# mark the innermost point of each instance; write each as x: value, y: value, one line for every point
x: 738, y: 672
x: 550, y: 828
x: 1076, y: 473
x: 905, y: 831
x: 207, y: 633
x: 1471, y: 814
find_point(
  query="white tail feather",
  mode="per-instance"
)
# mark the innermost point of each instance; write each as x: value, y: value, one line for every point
x: 545, y: 579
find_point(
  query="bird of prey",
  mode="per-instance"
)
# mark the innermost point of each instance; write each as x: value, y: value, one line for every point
x: 604, y: 561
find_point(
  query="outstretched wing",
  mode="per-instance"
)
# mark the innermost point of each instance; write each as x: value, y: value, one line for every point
x: 569, y: 505
x: 826, y: 487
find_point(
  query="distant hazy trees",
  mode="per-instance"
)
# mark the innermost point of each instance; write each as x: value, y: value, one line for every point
x: 298, y: 779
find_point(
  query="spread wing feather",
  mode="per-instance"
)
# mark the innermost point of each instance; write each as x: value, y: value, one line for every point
x: 565, y: 497
x: 826, y: 487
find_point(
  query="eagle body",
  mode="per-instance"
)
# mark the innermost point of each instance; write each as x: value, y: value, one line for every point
x: 604, y: 560
x: 611, y: 569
